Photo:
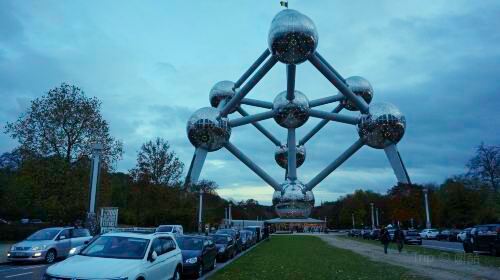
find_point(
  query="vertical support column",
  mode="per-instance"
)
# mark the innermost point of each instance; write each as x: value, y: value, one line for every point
x: 91, y: 220
x: 225, y: 217
x: 428, y: 218
x: 230, y: 216
x: 353, y: 223
x: 290, y: 81
x: 377, y: 221
x: 292, y: 155
x: 200, y: 213
x: 373, y: 215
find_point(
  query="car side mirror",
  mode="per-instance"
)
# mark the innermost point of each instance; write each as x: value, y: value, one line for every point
x: 153, y: 256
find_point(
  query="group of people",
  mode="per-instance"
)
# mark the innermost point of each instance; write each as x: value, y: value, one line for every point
x: 385, y: 238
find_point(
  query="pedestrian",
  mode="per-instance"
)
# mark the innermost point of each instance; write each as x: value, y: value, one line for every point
x: 399, y: 237
x: 385, y: 238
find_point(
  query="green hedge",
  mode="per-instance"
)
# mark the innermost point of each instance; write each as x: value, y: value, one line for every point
x: 16, y: 232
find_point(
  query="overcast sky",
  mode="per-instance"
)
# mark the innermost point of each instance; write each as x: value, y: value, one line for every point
x: 152, y: 63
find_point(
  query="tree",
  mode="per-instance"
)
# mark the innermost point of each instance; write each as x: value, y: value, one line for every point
x: 485, y: 165
x: 157, y: 164
x: 64, y: 123
x: 206, y: 185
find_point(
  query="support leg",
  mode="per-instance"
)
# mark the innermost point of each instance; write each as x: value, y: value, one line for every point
x: 397, y: 164
x: 292, y: 155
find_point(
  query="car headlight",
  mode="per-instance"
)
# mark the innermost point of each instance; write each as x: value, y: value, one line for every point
x: 221, y: 250
x: 73, y: 251
x: 192, y: 260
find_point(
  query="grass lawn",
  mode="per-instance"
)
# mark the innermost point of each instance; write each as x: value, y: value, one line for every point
x: 454, y: 256
x: 307, y: 257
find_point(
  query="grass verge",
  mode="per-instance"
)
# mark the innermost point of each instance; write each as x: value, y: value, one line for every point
x: 459, y: 257
x: 307, y: 257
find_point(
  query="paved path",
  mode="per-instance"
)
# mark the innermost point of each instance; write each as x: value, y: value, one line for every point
x: 429, y: 266
x: 443, y: 245
x: 22, y: 271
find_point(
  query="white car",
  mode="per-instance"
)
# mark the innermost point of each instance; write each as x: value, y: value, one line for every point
x: 429, y: 233
x: 174, y: 229
x: 123, y: 256
x: 463, y: 234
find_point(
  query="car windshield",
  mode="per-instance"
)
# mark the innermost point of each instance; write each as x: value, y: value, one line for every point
x: 190, y: 243
x: 44, y: 234
x: 164, y: 229
x: 117, y: 247
x: 220, y: 239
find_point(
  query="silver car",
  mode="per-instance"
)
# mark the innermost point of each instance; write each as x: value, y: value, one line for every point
x: 48, y: 244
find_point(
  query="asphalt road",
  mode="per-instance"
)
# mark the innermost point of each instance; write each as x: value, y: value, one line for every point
x: 22, y: 271
x: 443, y: 245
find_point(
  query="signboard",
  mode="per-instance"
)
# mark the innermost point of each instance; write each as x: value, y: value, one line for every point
x: 108, y: 219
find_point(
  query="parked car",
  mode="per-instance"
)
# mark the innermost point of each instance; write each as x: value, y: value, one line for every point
x: 174, y: 229
x: 412, y: 237
x: 235, y: 234
x: 366, y: 234
x: 199, y: 254
x: 483, y: 238
x: 354, y: 233
x: 259, y: 232
x: 123, y: 255
x: 48, y: 244
x: 463, y: 234
x: 3, y: 221
x: 226, y: 248
x: 36, y: 221
x: 246, y: 239
x: 374, y: 235
x: 429, y: 233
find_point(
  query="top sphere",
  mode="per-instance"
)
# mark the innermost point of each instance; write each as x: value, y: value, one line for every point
x: 222, y: 90
x: 207, y: 130
x: 360, y: 87
x: 293, y: 37
x: 383, y: 126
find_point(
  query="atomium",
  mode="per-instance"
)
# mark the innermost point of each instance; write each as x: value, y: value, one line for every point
x: 281, y: 155
x: 293, y: 39
x: 384, y: 126
x: 361, y: 87
x: 221, y: 91
x: 291, y: 113
x: 206, y: 129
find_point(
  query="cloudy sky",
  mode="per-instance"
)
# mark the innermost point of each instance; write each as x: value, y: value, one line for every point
x: 152, y: 63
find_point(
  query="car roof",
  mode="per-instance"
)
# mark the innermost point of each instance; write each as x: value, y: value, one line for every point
x: 59, y: 228
x: 146, y: 235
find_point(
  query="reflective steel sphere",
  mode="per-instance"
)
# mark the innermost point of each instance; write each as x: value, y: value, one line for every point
x: 292, y: 37
x: 207, y: 130
x: 221, y: 91
x: 383, y: 126
x: 281, y: 155
x: 291, y: 114
x: 293, y: 201
x: 361, y: 87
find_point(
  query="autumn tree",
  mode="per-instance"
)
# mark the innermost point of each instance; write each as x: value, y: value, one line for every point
x: 64, y: 123
x: 157, y: 164
x: 485, y: 165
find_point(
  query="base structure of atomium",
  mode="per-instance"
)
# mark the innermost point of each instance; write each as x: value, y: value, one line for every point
x: 293, y: 39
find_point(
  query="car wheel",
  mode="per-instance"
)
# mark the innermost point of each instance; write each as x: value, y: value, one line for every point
x: 50, y: 257
x: 200, y: 270
x: 177, y: 274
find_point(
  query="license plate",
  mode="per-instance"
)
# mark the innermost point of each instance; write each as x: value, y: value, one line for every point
x: 19, y: 254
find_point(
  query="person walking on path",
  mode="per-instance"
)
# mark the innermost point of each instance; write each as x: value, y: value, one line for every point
x: 399, y: 237
x: 385, y: 238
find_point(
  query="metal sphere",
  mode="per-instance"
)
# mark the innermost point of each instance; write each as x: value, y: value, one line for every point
x: 281, y: 155
x: 293, y: 201
x: 222, y: 90
x: 291, y: 114
x: 292, y: 37
x: 383, y: 126
x: 361, y: 87
x: 207, y: 130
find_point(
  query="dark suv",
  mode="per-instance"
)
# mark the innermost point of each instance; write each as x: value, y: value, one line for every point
x: 483, y: 238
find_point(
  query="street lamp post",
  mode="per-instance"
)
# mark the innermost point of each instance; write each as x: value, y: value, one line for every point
x: 91, y: 221
x: 353, y: 223
x: 230, y: 215
x: 200, y: 212
x: 373, y: 215
x: 377, y: 222
x: 428, y: 218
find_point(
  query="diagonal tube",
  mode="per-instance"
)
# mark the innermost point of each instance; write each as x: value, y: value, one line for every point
x: 397, y: 164
x: 325, y: 100
x: 261, y: 128
x: 240, y: 94
x: 254, y: 167
x: 290, y: 81
x: 318, y: 127
x: 252, y: 68
x: 330, y: 67
x: 335, y: 164
x: 195, y: 168
x: 338, y: 83
x: 257, y: 103
x: 292, y: 155
x: 252, y: 118
x: 334, y: 117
